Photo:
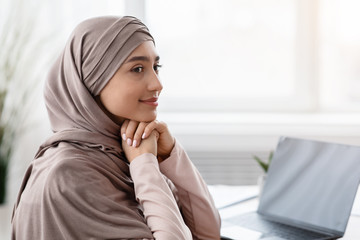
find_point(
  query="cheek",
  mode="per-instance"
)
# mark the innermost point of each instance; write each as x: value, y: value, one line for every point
x: 122, y: 102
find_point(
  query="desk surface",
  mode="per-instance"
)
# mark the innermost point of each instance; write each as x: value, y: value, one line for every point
x: 236, y: 193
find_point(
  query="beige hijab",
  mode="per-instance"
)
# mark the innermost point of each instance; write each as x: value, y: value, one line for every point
x: 93, y: 198
x: 94, y: 52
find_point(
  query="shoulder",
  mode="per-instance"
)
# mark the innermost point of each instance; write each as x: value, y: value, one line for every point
x: 71, y: 169
x: 66, y: 159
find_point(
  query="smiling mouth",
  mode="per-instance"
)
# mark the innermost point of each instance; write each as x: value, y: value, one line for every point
x: 150, y: 101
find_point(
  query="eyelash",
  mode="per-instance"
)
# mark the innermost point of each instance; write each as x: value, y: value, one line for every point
x: 157, y: 66
x: 137, y: 69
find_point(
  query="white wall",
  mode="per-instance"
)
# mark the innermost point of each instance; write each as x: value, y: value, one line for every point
x: 244, y: 132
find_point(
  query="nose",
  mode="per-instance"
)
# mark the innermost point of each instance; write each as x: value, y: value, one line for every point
x: 155, y: 83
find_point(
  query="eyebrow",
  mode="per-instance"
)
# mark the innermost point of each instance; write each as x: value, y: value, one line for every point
x: 142, y: 58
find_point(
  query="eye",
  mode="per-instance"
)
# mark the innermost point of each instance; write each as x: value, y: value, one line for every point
x: 157, y: 67
x: 137, y: 69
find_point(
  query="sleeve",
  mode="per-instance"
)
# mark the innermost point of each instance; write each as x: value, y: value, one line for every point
x: 197, y: 205
x: 160, y: 208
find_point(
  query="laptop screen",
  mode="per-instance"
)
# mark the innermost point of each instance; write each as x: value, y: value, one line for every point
x: 313, y: 183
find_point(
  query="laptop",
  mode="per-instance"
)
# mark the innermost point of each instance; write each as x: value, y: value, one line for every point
x: 309, y: 191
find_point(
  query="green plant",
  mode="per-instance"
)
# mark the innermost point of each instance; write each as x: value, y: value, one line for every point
x: 264, y: 164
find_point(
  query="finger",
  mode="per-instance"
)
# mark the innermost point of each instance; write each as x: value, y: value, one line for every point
x: 154, y: 134
x: 157, y: 135
x: 123, y: 129
x: 138, y: 133
x: 149, y: 128
x: 161, y: 127
x: 130, y: 130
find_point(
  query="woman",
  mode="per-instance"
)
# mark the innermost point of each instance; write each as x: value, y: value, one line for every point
x: 110, y: 170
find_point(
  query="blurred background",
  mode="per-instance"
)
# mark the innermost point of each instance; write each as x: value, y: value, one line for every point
x: 237, y: 74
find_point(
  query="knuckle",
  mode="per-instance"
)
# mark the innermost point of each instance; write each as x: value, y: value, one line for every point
x: 147, y: 127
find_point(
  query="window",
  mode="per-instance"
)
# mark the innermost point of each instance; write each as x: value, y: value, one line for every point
x: 230, y: 55
x: 260, y: 55
x: 339, y: 55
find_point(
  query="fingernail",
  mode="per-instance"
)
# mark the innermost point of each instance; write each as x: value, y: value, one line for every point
x: 134, y: 143
x: 129, y: 141
x: 124, y: 136
x: 143, y: 136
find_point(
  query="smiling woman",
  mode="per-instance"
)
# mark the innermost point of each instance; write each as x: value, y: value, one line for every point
x: 133, y: 91
x: 110, y: 170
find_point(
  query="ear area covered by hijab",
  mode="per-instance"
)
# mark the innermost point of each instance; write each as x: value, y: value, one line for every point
x: 94, y: 52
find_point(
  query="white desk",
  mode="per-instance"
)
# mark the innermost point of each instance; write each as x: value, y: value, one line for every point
x: 223, y: 195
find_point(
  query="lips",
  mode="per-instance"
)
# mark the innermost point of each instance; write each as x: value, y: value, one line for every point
x: 151, y: 101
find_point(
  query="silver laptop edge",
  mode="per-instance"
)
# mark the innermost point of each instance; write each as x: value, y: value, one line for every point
x: 332, y: 158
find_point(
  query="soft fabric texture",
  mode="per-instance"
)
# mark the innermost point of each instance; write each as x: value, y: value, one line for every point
x: 80, y: 186
x: 197, y: 206
x: 96, y: 49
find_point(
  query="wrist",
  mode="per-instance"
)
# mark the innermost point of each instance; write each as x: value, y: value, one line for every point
x: 141, y: 156
x: 167, y: 154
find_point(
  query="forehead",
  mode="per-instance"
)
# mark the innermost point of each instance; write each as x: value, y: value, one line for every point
x: 146, y: 49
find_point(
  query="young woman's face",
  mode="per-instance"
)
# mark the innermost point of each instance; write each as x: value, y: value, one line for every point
x: 133, y: 91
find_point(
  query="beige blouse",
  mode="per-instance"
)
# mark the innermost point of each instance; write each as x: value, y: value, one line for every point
x: 160, y: 208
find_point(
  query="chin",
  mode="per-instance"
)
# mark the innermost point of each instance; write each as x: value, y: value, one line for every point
x: 147, y: 117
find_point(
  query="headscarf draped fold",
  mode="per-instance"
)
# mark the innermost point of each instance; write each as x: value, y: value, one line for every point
x: 95, y: 51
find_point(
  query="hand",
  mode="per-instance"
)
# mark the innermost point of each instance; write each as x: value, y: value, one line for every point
x: 148, y: 145
x: 134, y: 132
x: 166, y: 141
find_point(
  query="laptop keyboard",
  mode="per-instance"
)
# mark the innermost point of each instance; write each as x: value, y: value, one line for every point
x: 255, y: 222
